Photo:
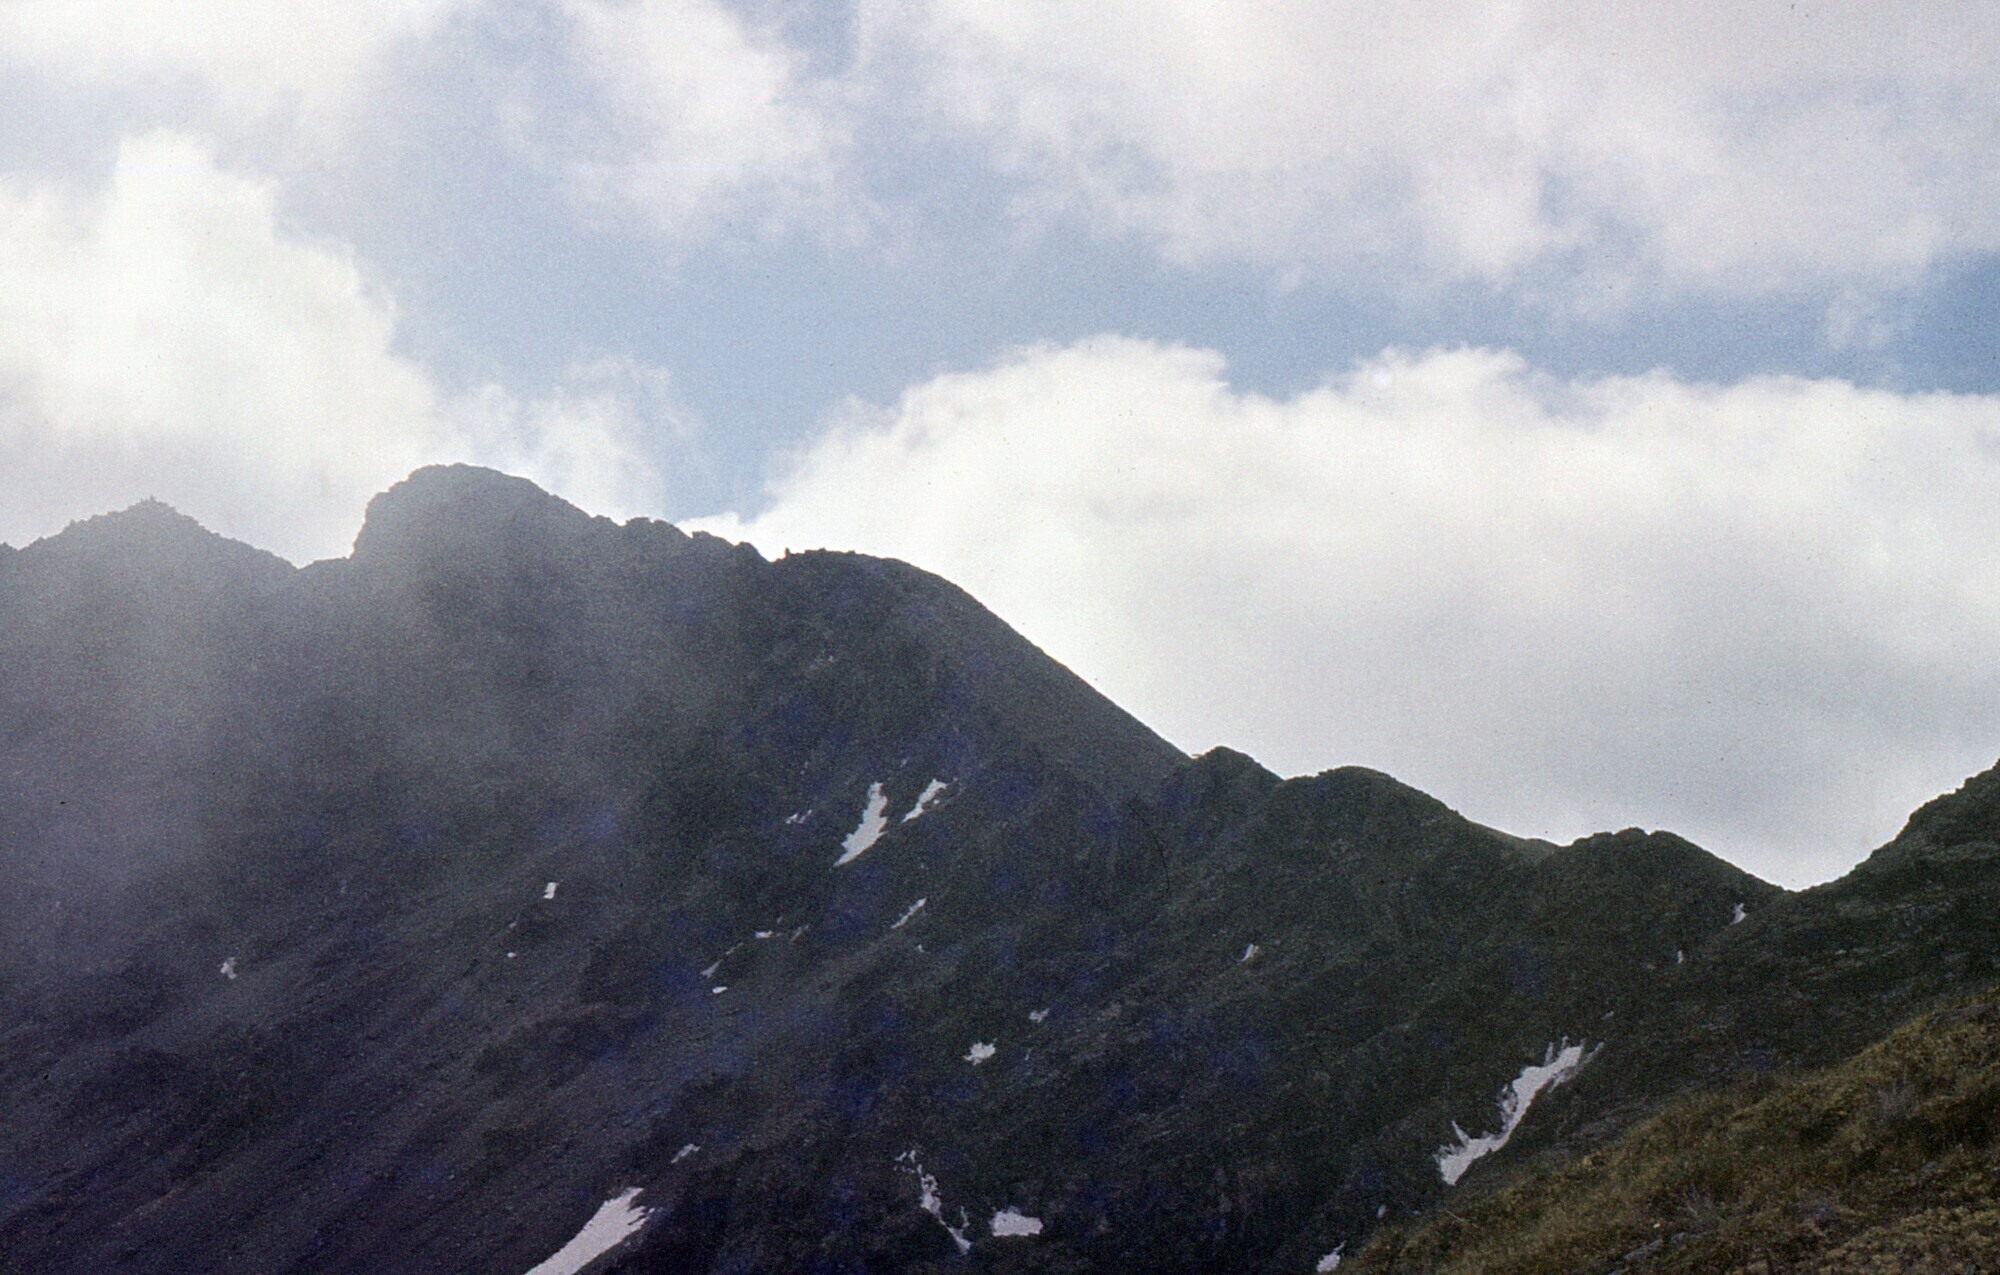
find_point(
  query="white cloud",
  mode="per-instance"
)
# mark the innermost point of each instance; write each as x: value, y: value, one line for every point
x: 586, y: 439
x: 1755, y: 145
x: 1760, y: 614
x: 251, y: 59
x: 695, y: 112
x: 167, y: 336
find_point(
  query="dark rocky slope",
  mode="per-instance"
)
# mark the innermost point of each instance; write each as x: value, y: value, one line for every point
x: 286, y: 987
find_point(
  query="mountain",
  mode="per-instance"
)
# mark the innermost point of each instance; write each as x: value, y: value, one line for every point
x: 525, y: 878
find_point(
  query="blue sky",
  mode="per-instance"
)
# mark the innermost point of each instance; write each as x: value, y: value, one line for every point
x: 1587, y: 413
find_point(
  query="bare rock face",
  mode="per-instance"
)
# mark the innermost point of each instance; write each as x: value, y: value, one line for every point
x: 409, y: 911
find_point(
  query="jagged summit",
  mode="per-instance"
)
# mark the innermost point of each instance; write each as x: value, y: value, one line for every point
x: 150, y: 518
x: 1970, y: 813
x: 445, y: 508
x: 151, y: 540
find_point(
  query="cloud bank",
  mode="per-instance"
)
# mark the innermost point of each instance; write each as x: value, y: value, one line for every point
x: 1587, y: 155
x: 692, y: 113
x: 247, y: 59
x: 167, y: 336
x: 1760, y: 614
x: 1739, y: 146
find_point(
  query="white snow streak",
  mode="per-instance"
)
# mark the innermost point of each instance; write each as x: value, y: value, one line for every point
x: 1011, y: 1221
x: 1557, y: 1066
x: 1738, y: 915
x: 1331, y: 1262
x: 1250, y: 954
x: 764, y: 934
x: 932, y: 1203
x: 549, y: 890
x: 981, y: 1050
x: 874, y: 822
x: 717, y: 991
x: 614, y: 1222
x: 229, y: 968
x: 1037, y: 1015
x: 909, y: 912
x: 685, y: 1152
x: 930, y: 794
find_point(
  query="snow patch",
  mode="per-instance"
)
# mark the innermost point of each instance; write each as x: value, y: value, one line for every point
x: 1250, y: 954
x: 229, y: 968
x: 717, y: 991
x: 1011, y: 1221
x: 874, y: 822
x: 707, y: 973
x: 981, y: 1050
x: 932, y: 1203
x: 909, y: 912
x: 1558, y: 1065
x: 615, y: 1221
x: 1738, y: 915
x: 798, y: 818
x: 1331, y: 1262
x: 1037, y: 1015
x: 765, y: 934
x: 931, y: 792
x: 685, y: 1152
x: 549, y: 890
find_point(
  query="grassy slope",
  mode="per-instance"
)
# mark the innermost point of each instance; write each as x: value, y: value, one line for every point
x: 1889, y: 1161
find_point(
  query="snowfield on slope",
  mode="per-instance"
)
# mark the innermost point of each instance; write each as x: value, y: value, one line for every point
x: 874, y: 822
x: 615, y: 1221
x: 931, y: 793
x: 1558, y: 1065
x: 932, y: 1203
x: 1013, y: 1222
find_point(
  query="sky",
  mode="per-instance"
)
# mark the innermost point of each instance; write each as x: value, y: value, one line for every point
x: 1587, y: 413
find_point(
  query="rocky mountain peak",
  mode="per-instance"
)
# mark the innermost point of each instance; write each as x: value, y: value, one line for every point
x: 448, y: 510
x: 152, y: 545
x: 148, y: 520
x: 1969, y: 814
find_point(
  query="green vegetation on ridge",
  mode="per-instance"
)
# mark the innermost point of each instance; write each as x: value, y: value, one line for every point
x: 1888, y: 1162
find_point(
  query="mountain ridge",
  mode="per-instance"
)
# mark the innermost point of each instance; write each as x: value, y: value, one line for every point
x: 477, y: 876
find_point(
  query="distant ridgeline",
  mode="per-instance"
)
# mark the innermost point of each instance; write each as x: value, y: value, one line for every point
x: 528, y: 892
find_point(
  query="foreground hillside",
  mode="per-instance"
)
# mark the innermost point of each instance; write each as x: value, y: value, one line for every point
x: 525, y: 878
x: 1889, y: 1162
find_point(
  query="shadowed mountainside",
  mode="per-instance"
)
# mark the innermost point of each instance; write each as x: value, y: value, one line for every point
x: 394, y: 913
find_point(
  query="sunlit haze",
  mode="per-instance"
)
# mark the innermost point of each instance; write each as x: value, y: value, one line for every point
x: 1589, y: 415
